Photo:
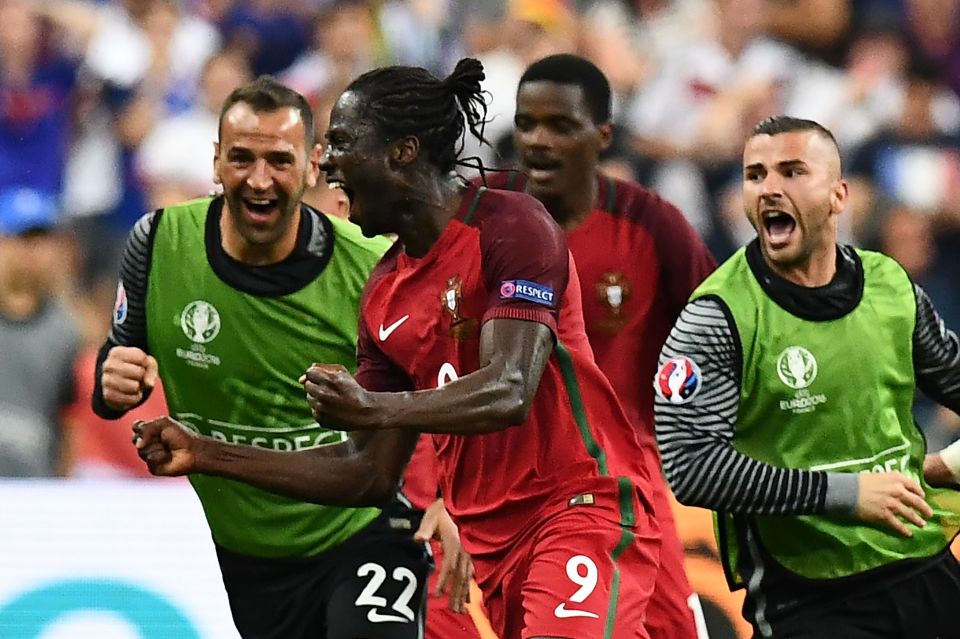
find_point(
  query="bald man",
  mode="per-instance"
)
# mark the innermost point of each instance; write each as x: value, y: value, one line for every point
x: 800, y: 358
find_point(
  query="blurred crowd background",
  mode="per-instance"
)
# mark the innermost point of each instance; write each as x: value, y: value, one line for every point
x: 109, y: 109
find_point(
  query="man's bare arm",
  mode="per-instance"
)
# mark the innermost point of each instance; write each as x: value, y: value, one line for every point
x: 365, y: 471
x: 513, y: 355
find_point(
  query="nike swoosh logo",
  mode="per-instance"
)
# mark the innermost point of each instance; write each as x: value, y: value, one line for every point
x: 562, y: 613
x: 373, y: 616
x: 388, y: 331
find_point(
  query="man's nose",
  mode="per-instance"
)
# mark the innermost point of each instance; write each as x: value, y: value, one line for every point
x: 259, y: 178
x: 772, y: 187
x: 325, y: 158
x: 536, y: 136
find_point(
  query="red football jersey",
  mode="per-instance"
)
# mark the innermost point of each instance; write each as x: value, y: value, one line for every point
x: 503, y: 256
x: 421, y: 483
x: 639, y: 260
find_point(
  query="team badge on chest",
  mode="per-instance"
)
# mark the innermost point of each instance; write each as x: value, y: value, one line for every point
x: 450, y: 300
x: 614, y: 290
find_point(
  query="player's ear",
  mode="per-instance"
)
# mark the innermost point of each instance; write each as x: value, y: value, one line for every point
x: 313, y: 165
x: 605, y: 132
x: 839, y: 193
x: 216, y: 164
x: 404, y: 151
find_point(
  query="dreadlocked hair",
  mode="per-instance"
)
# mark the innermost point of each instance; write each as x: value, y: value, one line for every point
x: 411, y: 101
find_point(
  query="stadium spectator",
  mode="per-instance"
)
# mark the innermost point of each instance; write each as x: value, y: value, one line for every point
x: 470, y: 329
x: 173, y: 161
x: 934, y: 30
x: 37, y: 81
x: 142, y: 61
x: 418, y: 33
x: 811, y: 25
x: 915, y: 160
x: 694, y: 112
x: 260, y: 284
x: 271, y: 34
x: 344, y: 46
x: 863, y: 97
x: 655, y: 26
x: 784, y: 404
x: 537, y: 28
x: 715, y: 85
x: 38, y: 339
x: 637, y: 258
x: 132, y: 42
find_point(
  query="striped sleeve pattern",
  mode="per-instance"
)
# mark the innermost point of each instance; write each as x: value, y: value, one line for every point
x: 695, y: 437
x: 134, y: 272
x: 936, y: 354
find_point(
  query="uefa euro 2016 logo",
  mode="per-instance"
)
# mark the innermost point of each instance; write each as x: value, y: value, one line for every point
x: 678, y: 380
x: 797, y: 367
x: 200, y: 322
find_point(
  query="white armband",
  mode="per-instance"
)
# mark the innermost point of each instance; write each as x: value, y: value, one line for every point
x: 951, y: 459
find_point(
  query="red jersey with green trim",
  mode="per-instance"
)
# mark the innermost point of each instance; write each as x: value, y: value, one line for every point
x: 503, y: 257
x: 639, y: 260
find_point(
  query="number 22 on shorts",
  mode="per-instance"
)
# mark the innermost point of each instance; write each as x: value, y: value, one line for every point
x: 582, y: 571
x: 369, y: 597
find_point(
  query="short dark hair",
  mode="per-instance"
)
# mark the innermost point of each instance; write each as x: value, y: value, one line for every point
x: 267, y: 94
x: 410, y: 101
x: 565, y: 68
x: 777, y: 124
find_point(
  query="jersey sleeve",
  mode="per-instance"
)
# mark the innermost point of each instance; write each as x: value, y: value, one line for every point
x: 129, y: 326
x: 936, y: 354
x: 525, y: 261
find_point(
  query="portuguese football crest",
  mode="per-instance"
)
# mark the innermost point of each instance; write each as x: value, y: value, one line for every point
x: 613, y: 289
x: 450, y: 299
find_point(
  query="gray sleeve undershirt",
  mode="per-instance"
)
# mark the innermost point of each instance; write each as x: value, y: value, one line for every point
x: 132, y: 331
x: 695, y: 438
x: 134, y: 273
x: 936, y: 355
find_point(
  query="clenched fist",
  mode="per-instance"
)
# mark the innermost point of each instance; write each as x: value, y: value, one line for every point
x: 128, y: 374
x: 169, y: 448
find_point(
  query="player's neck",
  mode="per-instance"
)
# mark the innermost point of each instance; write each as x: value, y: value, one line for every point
x: 571, y: 208
x: 817, y: 270
x: 424, y: 214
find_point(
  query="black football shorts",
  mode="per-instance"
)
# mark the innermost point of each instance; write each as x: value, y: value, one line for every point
x: 373, y: 586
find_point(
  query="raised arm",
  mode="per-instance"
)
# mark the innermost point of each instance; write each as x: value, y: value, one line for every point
x: 125, y: 372
x: 513, y: 356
